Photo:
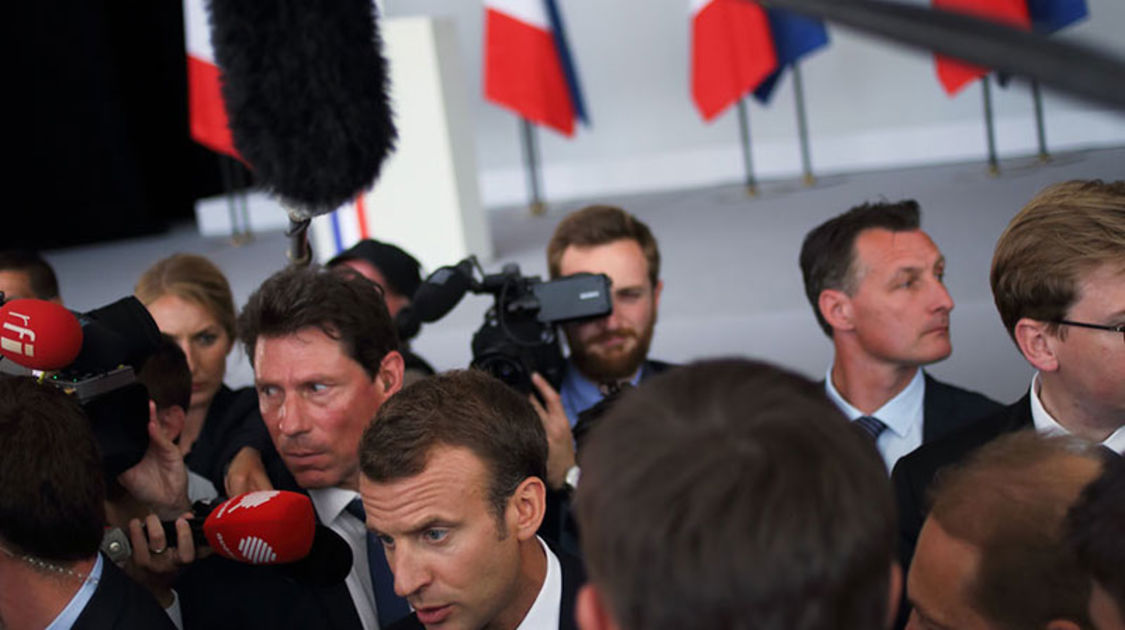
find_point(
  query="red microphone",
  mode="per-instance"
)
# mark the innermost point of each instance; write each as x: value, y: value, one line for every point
x: 262, y: 527
x: 38, y: 334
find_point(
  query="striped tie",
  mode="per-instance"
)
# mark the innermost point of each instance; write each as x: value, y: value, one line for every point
x: 873, y: 426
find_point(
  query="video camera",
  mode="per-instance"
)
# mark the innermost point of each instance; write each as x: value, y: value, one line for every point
x: 519, y: 335
x: 112, y: 344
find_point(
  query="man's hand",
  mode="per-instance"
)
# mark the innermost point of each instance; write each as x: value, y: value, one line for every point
x: 155, y: 563
x: 246, y: 473
x: 560, y: 440
x: 160, y: 478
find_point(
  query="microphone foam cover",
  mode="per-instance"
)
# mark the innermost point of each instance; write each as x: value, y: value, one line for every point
x: 38, y: 334
x: 305, y: 85
x: 262, y: 527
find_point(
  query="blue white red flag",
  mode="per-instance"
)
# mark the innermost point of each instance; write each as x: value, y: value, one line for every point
x: 528, y: 67
x: 207, y: 113
x: 794, y: 36
x: 955, y: 74
x: 732, y: 52
x: 1048, y: 16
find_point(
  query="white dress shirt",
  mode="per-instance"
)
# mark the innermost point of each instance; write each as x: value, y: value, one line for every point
x: 330, y: 504
x: 902, y: 414
x: 1046, y: 424
x: 544, y: 613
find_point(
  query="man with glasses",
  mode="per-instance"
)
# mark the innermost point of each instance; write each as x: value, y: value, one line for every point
x: 1058, y: 279
x: 876, y: 283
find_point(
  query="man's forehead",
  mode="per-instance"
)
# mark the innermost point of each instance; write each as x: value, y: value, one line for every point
x: 450, y: 473
x: 882, y: 248
x: 315, y: 347
x: 15, y: 284
x: 623, y: 257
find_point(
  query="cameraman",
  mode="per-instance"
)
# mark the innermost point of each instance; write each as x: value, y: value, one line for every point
x: 610, y: 351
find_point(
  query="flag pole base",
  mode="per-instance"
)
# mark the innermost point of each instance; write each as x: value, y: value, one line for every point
x: 994, y: 170
x: 809, y: 179
x: 537, y: 208
x: 1044, y: 157
x: 751, y: 190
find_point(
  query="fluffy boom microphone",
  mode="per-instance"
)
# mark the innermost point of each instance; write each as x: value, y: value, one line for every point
x: 305, y: 85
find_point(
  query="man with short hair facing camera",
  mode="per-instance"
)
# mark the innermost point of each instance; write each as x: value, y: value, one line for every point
x: 453, y: 485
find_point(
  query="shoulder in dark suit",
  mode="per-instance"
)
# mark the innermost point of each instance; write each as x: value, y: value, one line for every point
x: 913, y: 473
x: 119, y: 603
x: 653, y: 367
x: 948, y: 408
x: 573, y: 577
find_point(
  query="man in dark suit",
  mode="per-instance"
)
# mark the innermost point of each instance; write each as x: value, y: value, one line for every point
x: 52, y: 516
x: 875, y: 282
x: 1057, y: 279
x: 733, y: 494
x: 453, y: 485
x: 610, y: 351
x: 325, y: 359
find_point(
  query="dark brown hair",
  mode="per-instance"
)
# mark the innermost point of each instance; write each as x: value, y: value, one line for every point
x: 828, y: 253
x: 601, y: 225
x: 733, y: 494
x: 465, y: 408
x: 1096, y: 525
x: 52, y: 489
x: 1009, y: 500
x: 345, y: 306
x: 40, y: 275
x: 1065, y: 231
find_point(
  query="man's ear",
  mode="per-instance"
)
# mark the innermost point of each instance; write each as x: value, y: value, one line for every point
x: 172, y: 420
x: 591, y: 611
x: 390, y: 373
x: 1037, y: 344
x: 836, y: 309
x: 894, y: 594
x: 656, y: 291
x: 526, y: 507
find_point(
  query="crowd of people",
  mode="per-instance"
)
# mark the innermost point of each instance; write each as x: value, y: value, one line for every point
x: 725, y: 493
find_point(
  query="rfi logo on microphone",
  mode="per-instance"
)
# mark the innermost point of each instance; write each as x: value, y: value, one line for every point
x: 16, y: 345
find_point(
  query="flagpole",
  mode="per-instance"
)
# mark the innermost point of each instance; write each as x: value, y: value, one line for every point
x: 531, y: 164
x: 1040, y: 129
x: 989, y: 129
x: 747, y: 158
x: 802, y: 124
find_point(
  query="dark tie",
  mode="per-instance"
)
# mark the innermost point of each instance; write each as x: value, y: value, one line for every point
x: 873, y: 426
x: 389, y: 606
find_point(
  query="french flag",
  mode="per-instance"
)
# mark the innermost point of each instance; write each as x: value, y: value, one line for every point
x: 732, y: 52
x: 206, y: 110
x: 955, y: 75
x: 527, y: 63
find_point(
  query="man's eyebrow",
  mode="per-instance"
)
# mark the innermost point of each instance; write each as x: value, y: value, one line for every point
x: 430, y: 523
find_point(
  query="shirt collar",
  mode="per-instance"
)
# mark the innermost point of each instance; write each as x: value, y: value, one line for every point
x: 1045, y: 423
x: 898, y: 413
x: 70, y: 614
x: 330, y: 502
x: 579, y: 393
x: 544, y: 612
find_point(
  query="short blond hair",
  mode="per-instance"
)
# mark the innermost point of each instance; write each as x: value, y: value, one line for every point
x: 1065, y: 231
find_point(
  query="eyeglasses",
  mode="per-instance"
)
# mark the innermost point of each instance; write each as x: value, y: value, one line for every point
x: 1117, y: 329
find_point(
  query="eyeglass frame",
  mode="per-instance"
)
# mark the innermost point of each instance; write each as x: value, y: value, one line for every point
x: 1117, y: 329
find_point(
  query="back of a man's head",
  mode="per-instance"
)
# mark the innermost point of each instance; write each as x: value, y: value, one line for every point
x: 1008, y: 503
x: 167, y: 376
x: 342, y: 306
x: 51, y: 483
x: 600, y: 225
x: 827, y: 256
x: 1096, y: 527
x: 733, y: 494
x: 37, y: 274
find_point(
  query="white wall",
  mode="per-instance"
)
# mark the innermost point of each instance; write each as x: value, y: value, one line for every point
x: 870, y: 105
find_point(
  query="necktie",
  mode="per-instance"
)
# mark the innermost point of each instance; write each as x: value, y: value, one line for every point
x: 389, y: 606
x: 873, y: 426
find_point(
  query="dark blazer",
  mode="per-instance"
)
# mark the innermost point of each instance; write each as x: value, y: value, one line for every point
x: 948, y: 408
x: 119, y: 603
x: 220, y: 593
x: 914, y: 473
x: 573, y: 577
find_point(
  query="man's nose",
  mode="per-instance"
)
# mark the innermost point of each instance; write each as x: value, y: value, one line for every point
x: 411, y: 573
x: 290, y: 416
x: 942, y: 300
